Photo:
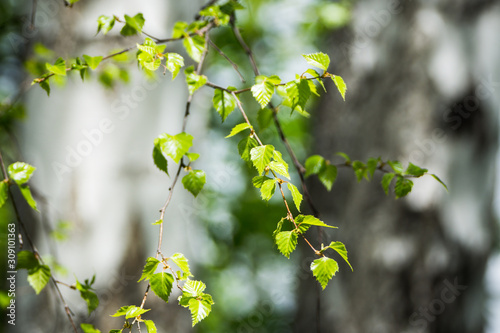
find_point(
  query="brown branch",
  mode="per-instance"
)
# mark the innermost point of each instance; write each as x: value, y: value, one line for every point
x: 229, y: 60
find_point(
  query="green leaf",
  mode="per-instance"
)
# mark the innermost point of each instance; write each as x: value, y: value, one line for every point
x: 324, y: 269
x: 105, y: 23
x: 193, y: 288
x: 160, y: 160
x: 193, y: 80
x: 245, y: 146
x: 267, y: 189
x: 134, y: 311
x: 150, y: 325
x: 386, y: 181
x: 286, y: 242
x: 319, y: 60
x: 340, y: 248
x: 194, y: 46
x: 192, y: 156
x: 359, y: 169
x: 38, y: 277
x: 238, y: 128
x: 149, y: 269
x: 181, y: 261
x: 174, y: 63
x: 403, y: 187
x: 161, y: 284
x: 224, y: 103
x: 176, y: 146
x: 89, y: 328
x: 25, y: 191
x: 200, y: 308
x: 133, y: 25
x: 194, y: 181
x: 26, y: 260
x: 88, y: 296
x: 4, y: 192
x: 261, y: 157
x: 311, y: 220
x: 327, y: 176
x: 279, y: 165
x: 440, y: 181
x: 257, y: 181
x: 59, y: 67
x: 371, y: 165
x: 346, y: 158
x: 263, y: 90
x: 341, y: 86
x: 298, y: 92
x: 314, y: 164
x: 317, y: 76
x: 20, y: 172
x: 92, y: 62
x: 396, y: 166
x: 157, y: 222
x: 415, y: 170
x: 116, y: 331
x: 123, y: 310
x: 296, y: 195
x: 45, y: 85
x: 279, y: 226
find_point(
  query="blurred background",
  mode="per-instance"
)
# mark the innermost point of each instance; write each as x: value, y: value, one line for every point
x: 423, y: 82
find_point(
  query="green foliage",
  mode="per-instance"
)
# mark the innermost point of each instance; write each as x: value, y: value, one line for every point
x: 224, y: 103
x: 87, y: 294
x: 158, y: 158
x: 319, y: 60
x: 341, y: 86
x: 149, y: 269
x: 245, y: 146
x: 105, y: 23
x: 175, y: 146
x: 130, y: 311
x: 92, y: 62
x: 199, y: 303
x: 150, y: 326
x: 4, y: 192
x: 414, y: 170
x: 311, y: 220
x: 324, y: 269
x: 327, y: 173
x: 194, y: 181
x: 20, y: 172
x: 386, y: 181
x: 219, y: 16
x: 279, y: 165
x: 195, y: 46
x: 133, y: 25
x: 89, y: 328
x: 263, y: 89
x: 193, y: 80
x: 38, y: 277
x: 150, y: 54
x: 286, y: 242
x: 58, y: 68
x: 261, y: 157
x: 174, y: 63
x: 161, y: 284
x: 238, y: 128
x: 340, y: 248
x: 267, y: 189
x: 296, y: 195
x: 298, y: 93
x: 403, y: 186
x: 182, y: 262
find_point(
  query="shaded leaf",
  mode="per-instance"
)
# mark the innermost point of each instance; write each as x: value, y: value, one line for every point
x: 403, y: 187
x: 386, y: 181
x: 149, y: 268
x: 328, y: 175
x: 224, y: 103
x: 314, y: 164
x: 267, y: 189
x: 415, y: 170
x: 245, y: 146
x: 38, y: 277
x: 158, y: 158
x: 194, y: 181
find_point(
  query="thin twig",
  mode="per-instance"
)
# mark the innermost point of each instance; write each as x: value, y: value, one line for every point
x: 228, y: 60
x: 248, y: 51
x: 33, y: 14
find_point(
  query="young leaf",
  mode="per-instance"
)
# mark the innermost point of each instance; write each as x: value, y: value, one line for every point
x: 396, y: 166
x: 415, y: 170
x: 359, y: 169
x: 346, y: 158
x: 386, y: 181
x: 324, y: 269
x: 45, y: 85
x: 403, y: 187
x: 298, y: 92
x: 257, y: 181
x: 341, y: 86
x: 245, y: 146
x: 38, y: 277
x: 194, y: 181
x: 319, y: 60
x: 263, y: 90
x: 311, y: 220
x: 340, y: 248
x: 26, y: 260
x: 134, y: 311
x: 59, y: 67
x: 193, y: 80
x: 160, y: 160
x: 175, y: 146
x: 317, y: 76
x: 279, y: 165
x: 149, y: 269
x: 4, y: 192
x: 182, y: 262
x: 194, y: 46
x: 123, y: 310
x: 150, y: 326
x: 192, y: 156
x: 436, y: 178
x: 174, y: 63
x: 279, y: 226
x: 371, y: 165
x: 133, y: 25
x: 26, y: 192
x: 92, y: 62
x: 224, y: 103
x: 286, y: 242
x: 238, y: 128
x: 296, y: 195
x: 314, y: 164
x: 89, y: 328
x: 161, y: 284
x: 199, y: 304
x: 327, y: 176
x: 267, y: 189
x: 261, y: 157
x: 20, y: 172
x: 88, y: 296
x: 105, y: 23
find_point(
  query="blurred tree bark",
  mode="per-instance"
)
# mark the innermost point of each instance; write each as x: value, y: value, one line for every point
x: 422, y: 87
